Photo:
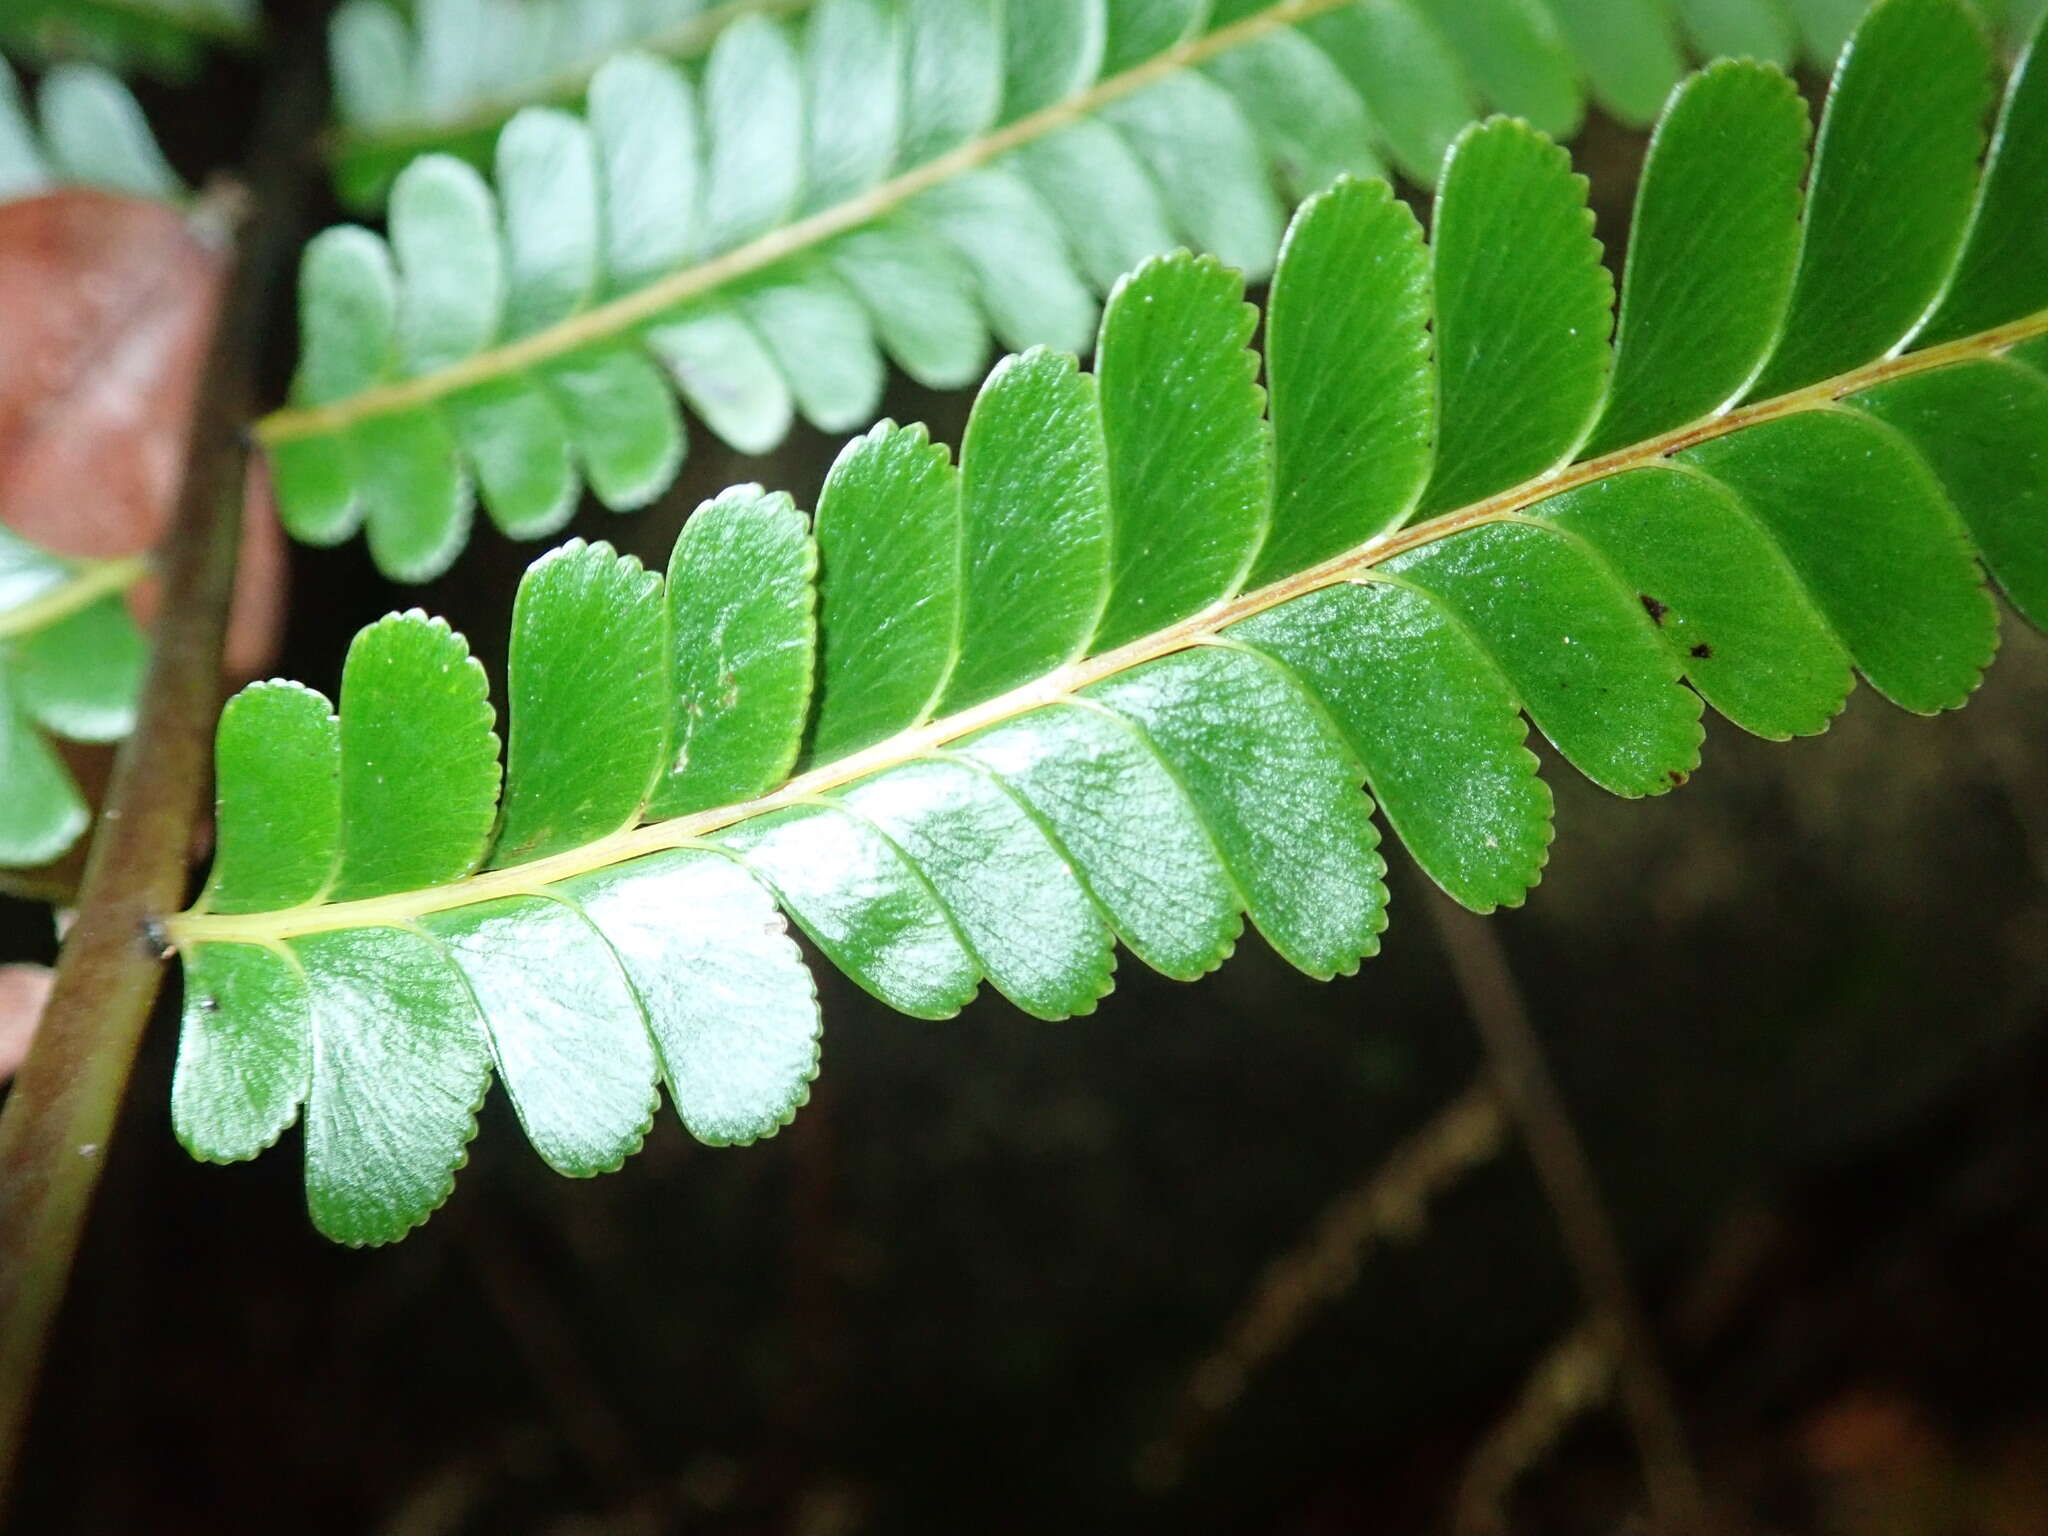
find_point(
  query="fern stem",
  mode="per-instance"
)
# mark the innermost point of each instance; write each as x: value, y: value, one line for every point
x: 1521, y: 1076
x: 59, y: 1116
x: 94, y: 580
x: 1202, y: 628
x: 644, y: 305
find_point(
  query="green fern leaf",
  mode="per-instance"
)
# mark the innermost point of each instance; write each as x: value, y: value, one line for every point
x: 168, y: 37
x: 897, y: 179
x: 1120, y: 676
x: 71, y: 663
x: 88, y: 131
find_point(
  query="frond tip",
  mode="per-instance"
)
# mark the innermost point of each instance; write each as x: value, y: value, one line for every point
x: 1120, y: 674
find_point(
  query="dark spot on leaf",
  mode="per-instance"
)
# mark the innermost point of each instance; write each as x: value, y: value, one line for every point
x: 1675, y: 777
x: 209, y: 1005
x: 1703, y: 650
x: 1652, y: 607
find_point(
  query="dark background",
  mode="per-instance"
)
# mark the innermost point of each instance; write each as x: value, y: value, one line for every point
x: 1796, y: 1009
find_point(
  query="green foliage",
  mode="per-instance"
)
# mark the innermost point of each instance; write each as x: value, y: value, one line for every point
x: 71, y: 665
x: 1397, y: 76
x: 2004, y: 265
x: 1901, y: 171
x: 1691, y: 329
x: 758, y: 229
x: 446, y: 74
x: 1520, y: 382
x: 165, y: 36
x: 1032, y: 707
x: 88, y: 132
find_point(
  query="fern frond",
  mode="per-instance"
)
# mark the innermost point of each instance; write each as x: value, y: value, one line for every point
x: 881, y: 178
x: 71, y: 663
x: 1120, y: 674
x: 88, y: 131
x: 450, y: 74
x: 165, y: 36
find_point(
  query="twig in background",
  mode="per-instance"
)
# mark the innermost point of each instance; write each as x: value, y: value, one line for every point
x: 1388, y: 1205
x: 1574, y: 1376
x: 588, y: 1424
x: 1522, y: 1079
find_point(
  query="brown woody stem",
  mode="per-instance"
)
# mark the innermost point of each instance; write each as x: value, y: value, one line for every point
x: 60, y: 1114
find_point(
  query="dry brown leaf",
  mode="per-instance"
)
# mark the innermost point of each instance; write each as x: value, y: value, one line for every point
x: 110, y: 302
x: 24, y: 989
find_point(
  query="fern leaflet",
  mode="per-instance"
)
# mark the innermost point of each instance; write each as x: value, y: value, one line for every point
x: 1120, y: 673
x: 88, y: 131
x: 71, y: 663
